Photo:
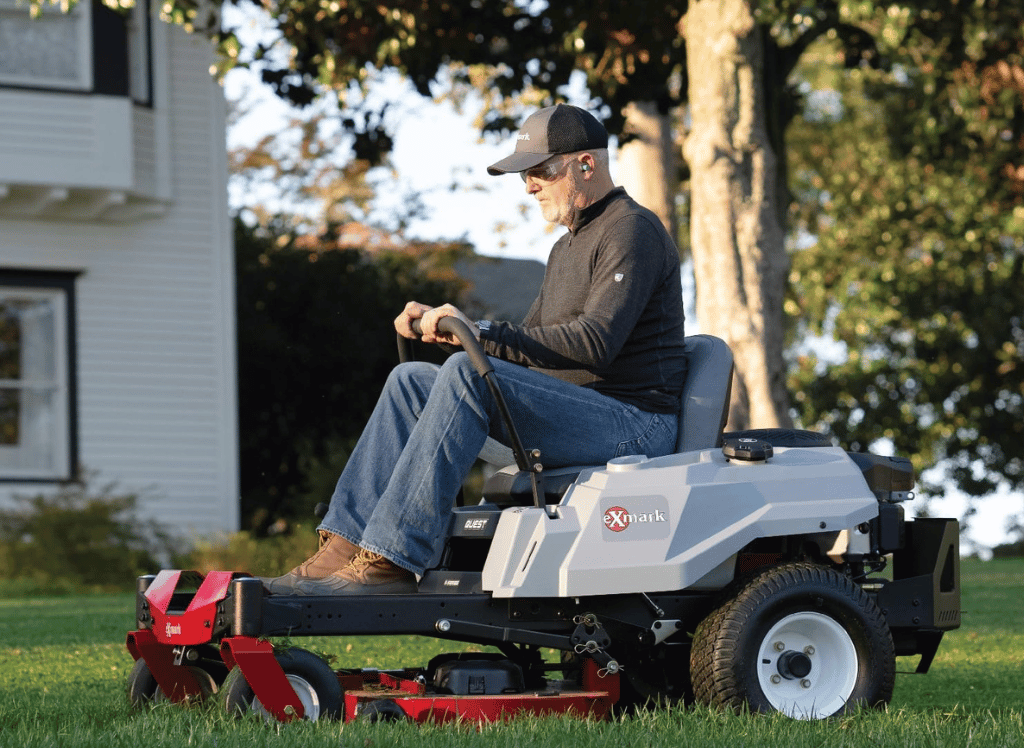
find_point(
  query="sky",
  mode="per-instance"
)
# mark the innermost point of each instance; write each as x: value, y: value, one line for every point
x: 439, y: 153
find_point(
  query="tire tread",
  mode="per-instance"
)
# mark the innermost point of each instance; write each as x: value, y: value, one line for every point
x: 716, y: 666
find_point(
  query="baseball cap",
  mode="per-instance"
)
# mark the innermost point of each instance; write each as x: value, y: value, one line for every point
x: 561, y: 128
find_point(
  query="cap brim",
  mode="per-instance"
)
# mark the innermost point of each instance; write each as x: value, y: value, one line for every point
x: 517, y: 162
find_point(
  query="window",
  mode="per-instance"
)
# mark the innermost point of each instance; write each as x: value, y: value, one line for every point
x: 37, y: 396
x: 83, y: 49
x: 51, y: 51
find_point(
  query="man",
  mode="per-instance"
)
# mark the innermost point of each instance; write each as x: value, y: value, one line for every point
x: 594, y: 372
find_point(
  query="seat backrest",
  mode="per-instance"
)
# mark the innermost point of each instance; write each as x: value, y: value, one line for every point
x: 705, y: 400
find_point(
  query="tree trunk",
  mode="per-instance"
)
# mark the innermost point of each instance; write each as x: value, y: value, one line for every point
x: 647, y: 164
x: 739, y: 256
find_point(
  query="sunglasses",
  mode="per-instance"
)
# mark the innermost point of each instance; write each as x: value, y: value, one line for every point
x: 546, y: 172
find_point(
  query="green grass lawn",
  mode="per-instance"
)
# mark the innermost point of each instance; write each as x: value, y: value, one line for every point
x: 63, y: 668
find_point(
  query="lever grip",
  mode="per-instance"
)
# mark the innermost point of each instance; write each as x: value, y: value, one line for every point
x: 458, y: 328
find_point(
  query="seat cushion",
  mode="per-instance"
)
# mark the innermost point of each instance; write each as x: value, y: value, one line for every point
x: 512, y: 487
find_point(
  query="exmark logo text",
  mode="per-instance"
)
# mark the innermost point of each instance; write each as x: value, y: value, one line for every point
x: 619, y: 518
x: 626, y: 519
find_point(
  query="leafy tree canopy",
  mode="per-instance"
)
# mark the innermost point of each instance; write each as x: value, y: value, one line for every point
x: 911, y: 179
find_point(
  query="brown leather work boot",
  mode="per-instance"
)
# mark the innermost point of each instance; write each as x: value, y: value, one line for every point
x: 368, y: 573
x: 335, y: 553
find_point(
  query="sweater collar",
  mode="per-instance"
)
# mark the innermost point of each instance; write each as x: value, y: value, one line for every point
x: 592, y: 211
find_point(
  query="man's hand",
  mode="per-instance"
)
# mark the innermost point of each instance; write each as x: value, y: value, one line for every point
x: 403, y: 322
x: 429, y: 317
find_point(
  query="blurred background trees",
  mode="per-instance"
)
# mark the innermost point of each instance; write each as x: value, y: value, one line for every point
x: 909, y: 177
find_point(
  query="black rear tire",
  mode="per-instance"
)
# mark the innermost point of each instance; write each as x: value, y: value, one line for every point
x: 800, y: 639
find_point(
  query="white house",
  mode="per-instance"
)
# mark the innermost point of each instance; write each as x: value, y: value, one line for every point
x: 117, y: 343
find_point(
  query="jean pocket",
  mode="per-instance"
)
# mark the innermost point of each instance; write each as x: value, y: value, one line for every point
x: 657, y: 438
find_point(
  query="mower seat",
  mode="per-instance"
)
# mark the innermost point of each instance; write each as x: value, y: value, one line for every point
x: 704, y: 405
x: 704, y: 409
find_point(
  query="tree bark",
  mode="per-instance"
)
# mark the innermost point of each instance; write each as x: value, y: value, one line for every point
x: 739, y: 255
x: 647, y: 163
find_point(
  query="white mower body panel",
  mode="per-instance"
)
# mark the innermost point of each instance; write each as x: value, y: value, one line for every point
x: 672, y: 523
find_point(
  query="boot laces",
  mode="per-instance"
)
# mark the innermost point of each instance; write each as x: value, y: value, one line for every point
x: 365, y: 559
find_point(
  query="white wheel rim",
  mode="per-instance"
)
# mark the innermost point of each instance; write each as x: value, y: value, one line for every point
x: 821, y: 644
x: 307, y: 697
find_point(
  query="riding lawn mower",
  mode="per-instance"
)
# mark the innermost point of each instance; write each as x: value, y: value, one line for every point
x: 766, y: 570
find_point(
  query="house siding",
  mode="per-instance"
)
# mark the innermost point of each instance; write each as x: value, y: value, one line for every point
x: 46, y: 139
x: 155, y: 311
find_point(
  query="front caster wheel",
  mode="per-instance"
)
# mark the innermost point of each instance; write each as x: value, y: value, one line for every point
x: 144, y: 691
x: 312, y: 679
x: 800, y: 639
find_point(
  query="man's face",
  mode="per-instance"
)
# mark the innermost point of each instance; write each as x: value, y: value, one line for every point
x: 554, y: 184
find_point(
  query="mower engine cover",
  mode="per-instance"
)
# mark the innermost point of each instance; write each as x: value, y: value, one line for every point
x: 479, y: 677
x: 673, y: 522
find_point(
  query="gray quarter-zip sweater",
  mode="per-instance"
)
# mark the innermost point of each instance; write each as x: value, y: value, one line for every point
x: 610, y: 311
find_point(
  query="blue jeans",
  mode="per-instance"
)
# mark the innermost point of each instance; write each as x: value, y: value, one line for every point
x: 396, y: 493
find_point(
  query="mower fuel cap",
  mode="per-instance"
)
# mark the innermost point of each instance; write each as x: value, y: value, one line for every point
x: 747, y: 449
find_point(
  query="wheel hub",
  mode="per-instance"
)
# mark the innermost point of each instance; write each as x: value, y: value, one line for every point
x: 794, y: 665
x: 808, y: 665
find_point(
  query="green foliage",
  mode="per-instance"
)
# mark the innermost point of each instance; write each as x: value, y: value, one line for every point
x: 77, y: 539
x: 629, y: 52
x: 315, y: 343
x: 911, y: 184
x: 261, y: 556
